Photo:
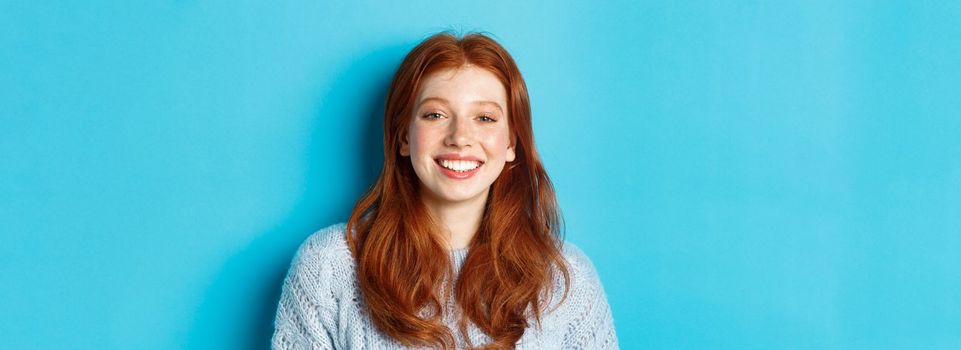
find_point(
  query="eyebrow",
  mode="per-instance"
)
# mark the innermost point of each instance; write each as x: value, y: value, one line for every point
x: 446, y: 102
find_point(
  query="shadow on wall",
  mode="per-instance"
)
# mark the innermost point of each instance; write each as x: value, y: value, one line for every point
x: 238, y: 308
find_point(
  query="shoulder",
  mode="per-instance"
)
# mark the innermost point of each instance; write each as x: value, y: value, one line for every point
x: 579, y: 264
x: 324, y: 261
x: 584, y: 319
x: 327, y: 245
x: 327, y: 242
x: 584, y: 283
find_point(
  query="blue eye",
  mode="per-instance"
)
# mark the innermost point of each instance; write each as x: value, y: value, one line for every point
x: 433, y: 115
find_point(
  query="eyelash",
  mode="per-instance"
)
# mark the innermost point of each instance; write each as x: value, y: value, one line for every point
x: 432, y: 115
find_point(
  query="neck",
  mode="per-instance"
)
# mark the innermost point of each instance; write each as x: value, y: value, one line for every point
x: 459, y: 221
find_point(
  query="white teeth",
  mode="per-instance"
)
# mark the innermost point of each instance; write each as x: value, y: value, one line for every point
x: 460, y: 165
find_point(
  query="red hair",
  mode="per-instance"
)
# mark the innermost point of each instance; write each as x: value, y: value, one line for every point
x: 511, y: 261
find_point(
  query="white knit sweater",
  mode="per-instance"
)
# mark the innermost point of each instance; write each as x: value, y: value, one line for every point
x: 321, y: 306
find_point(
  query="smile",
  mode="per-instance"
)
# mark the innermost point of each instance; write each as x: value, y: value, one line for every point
x: 459, y: 165
x: 458, y: 169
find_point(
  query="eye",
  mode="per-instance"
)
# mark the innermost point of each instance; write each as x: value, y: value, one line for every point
x: 433, y: 115
x: 486, y: 118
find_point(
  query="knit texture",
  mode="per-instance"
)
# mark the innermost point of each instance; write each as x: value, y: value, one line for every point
x: 321, y: 306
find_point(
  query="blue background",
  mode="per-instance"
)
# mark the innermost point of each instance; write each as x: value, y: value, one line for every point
x: 744, y: 175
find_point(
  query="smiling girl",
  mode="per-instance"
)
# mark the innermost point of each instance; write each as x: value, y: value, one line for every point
x: 457, y: 244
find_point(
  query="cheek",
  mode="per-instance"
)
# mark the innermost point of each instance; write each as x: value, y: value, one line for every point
x: 498, y: 143
x: 420, y: 140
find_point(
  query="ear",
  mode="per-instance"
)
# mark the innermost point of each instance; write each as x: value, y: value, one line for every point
x: 404, y: 147
x: 510, y: 153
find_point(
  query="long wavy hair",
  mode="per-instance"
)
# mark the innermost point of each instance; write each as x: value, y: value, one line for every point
x: 513, y: 258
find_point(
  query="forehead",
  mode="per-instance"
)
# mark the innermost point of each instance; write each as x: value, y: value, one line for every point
x: 468, y: 84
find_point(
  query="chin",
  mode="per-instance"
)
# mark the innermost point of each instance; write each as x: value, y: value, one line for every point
x: 458, y: 197
x: 448, y: 195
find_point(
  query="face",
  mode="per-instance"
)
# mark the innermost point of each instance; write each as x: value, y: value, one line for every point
x: 458, y: 140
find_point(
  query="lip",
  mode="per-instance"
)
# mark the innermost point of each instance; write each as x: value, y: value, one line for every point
x: 454, y: 174
x: 455, y: 156
x: 458, y: 175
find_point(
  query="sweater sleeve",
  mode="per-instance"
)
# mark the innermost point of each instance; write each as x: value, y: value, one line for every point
x: 591, y: 325
x: 305, y: 316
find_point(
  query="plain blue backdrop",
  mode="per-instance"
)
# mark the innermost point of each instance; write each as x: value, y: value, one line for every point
x: 744, y: 174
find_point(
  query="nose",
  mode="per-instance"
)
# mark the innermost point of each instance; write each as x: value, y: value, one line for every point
x: 460, y: 133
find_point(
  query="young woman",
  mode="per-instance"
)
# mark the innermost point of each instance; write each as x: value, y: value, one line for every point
x: 457, y: 244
